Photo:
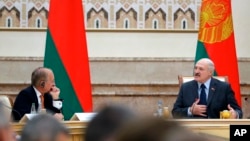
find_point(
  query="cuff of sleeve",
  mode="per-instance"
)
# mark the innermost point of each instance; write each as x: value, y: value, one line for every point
x: 237, y: 115
x: 189, y: 111
x: 57, y: 104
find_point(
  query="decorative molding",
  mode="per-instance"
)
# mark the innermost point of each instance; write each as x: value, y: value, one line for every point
x: 118, y: 59
x: 103, y: 30
x: 112, y: 13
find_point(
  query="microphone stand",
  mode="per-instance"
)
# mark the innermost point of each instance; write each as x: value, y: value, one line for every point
x: 246, y: 99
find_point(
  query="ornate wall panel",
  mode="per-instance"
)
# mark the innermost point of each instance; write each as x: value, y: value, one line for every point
x: 108, y: 14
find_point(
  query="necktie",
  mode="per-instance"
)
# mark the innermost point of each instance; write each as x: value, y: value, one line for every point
x: 42, y: 101
x: 203, y: 97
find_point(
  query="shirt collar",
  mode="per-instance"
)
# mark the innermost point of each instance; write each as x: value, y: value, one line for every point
x: 37, y: 92
x: 207, y: 83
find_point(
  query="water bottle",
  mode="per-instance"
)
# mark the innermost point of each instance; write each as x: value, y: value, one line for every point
x: 39, y: 109
x: 33, y: 109
x: 159, y: 108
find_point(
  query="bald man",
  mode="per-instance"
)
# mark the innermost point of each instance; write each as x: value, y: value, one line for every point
x: 205, y: 96
x: 42, y: 92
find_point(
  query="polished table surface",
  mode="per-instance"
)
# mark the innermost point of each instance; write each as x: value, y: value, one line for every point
x: 214, y: 121
x: 218, y: 128
x: 214, y: 127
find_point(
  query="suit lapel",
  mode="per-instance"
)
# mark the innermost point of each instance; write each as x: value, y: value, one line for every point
x: 195, y: 90
x: 211, y: 91
x: 34, y: 96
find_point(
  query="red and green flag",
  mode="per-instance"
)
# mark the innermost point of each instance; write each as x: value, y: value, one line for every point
x: 67, y: 55
x: 216, y: 41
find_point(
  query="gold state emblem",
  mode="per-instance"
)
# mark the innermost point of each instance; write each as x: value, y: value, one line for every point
x: 216, y: 21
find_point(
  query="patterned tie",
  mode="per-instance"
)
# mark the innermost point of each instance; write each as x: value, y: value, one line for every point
x: 42, y: 101
x: 203, y: 97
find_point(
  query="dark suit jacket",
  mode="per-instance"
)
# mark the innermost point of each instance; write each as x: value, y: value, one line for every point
x: 24, y: 100
x: 220, y: 95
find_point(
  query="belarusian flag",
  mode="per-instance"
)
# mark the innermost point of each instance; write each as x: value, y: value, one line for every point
x: 216, y: 41
x: 66, y: 54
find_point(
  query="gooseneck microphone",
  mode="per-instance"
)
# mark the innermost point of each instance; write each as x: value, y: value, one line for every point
x: 246, y: 99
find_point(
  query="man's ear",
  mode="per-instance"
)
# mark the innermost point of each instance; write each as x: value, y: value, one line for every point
x: 42, y: 84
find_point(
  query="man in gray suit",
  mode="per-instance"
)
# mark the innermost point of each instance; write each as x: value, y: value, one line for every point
x: 205, y: 96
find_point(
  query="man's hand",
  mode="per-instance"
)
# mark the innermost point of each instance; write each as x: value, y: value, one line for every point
x: 233, y: 113
x: 55, y: 92
x: 198, y: 109
x: 59, y: 116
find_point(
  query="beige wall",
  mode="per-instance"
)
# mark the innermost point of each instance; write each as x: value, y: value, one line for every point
x: 117, y: 70
x: 130, y: 43
x: 106, y: 44
x: 116, y: 44
x: 136, y: 82
x: 132, y: 67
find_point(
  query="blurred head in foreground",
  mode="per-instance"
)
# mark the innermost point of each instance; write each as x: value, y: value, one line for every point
x: 44, y: 127
x: 104, y: 125
x: 6, y: 132
x: 156, y: 129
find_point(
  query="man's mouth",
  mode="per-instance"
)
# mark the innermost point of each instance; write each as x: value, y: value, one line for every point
x: 196, y: 74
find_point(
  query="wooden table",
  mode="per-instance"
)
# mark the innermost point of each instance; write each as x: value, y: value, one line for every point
x: 211, y: 127
x: 76, y: 128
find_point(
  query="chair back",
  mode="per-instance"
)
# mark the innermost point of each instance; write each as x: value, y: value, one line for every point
x: 183, y: 79
x: 6, y: 105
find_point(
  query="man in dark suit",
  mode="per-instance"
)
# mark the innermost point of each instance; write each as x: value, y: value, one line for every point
x: 205, y: 96
x: 42, y: 92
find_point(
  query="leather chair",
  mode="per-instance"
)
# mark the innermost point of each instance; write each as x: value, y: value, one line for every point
x: 7, y: 104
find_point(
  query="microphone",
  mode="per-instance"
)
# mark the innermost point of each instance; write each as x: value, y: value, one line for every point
x: 246, y: 99
x: 13, y: 110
